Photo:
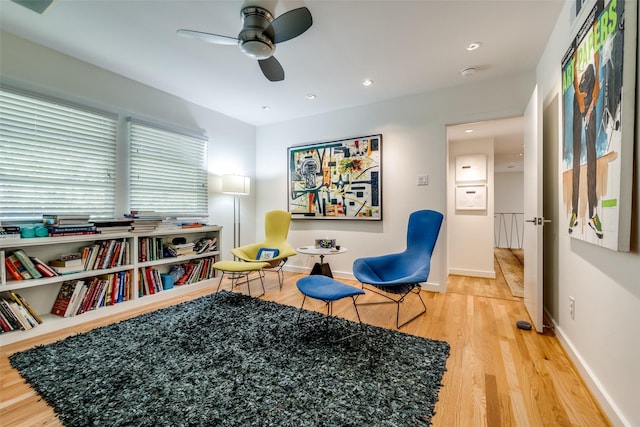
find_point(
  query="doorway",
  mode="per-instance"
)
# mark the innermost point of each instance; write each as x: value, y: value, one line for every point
x: 500, y: 254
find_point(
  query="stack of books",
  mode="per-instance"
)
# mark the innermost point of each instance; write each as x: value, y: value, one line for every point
x: 145, y: 221
x: 68, y: 224
x: 9, y: 232
x: 205, y: 244
x: 105, y: 226
x: 67, y: 264
x: 175, y: 250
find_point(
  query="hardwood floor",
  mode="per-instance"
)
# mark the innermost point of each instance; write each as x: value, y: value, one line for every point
x: 497, y: 375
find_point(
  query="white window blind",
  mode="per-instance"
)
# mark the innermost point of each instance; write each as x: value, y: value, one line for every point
x: 167, y: 170
x: 55, y: 158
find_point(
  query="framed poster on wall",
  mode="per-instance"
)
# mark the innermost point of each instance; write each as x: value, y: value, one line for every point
x: 471, y: 167
x: 336, y: 179
x: 598, y: 95
x: 471, y: 197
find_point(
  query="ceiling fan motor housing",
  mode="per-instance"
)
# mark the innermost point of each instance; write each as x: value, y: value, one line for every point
x: 256, y: 36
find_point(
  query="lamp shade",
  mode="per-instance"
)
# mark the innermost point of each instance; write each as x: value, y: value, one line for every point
x: 235, y: 184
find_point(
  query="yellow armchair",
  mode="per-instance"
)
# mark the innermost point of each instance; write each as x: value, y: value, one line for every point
x: 276, y: 229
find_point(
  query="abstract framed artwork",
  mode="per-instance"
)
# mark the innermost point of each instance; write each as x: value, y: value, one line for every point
x: 336, y: 179
x: 598, y: 93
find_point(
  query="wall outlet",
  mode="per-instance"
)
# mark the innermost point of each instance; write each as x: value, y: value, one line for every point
x: 572, y: 308
x: 423, y: 179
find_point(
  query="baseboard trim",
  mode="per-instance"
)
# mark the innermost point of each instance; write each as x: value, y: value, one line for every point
x: 593, y: 384
x: 487, y: 274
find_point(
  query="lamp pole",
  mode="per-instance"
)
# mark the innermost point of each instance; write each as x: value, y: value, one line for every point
x: 236, y: 185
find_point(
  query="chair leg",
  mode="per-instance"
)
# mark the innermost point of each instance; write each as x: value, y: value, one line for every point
x: 355, y: 307
x: 235, y: 280
x: 301, y: 308
x: 261, y: 282
x: 220, y: 282
x: 329, y: 318
x: 398, y: 302
x: 248, y: 281
x: 398, y: 325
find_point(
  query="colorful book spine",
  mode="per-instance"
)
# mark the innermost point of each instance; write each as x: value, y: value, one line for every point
x: 26, y: 261
x: 12, y: 270
x: 43, y: 268
x: 20, y: 267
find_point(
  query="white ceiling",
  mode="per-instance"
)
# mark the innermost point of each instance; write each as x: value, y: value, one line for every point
x: 508, y: 140
x: 405, y: 47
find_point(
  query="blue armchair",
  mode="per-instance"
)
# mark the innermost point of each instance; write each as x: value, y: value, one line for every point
x: 401, y: 273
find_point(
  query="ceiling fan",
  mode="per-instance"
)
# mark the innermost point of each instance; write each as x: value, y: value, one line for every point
x: 259, y: 35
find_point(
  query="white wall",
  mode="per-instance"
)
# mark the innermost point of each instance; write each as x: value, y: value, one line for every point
x: 603, y: 339
x: 471, y: 231
x: 414, y: 142
x: 509, y: 199
x: 231, y: 143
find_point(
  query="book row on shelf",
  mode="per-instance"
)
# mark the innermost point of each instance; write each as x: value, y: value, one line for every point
x: 62, y: 279
x: 79, y: 296
x: 16, y: 313
x: 101, y: 255
x: 76, y: 297
x: 154, y: 248
x: 97, y: 256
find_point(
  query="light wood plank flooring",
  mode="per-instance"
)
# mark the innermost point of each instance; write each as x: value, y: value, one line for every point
x: 497, y: 375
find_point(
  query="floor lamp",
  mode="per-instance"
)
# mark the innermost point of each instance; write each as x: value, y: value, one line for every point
x: 236, y: 185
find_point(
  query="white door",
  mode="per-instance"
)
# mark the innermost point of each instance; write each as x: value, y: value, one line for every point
x: 534, y: 221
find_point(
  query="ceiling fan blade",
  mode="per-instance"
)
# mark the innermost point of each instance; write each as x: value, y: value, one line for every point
x: 291, y: 24
x: 272, y: 69
x: 207, y: 37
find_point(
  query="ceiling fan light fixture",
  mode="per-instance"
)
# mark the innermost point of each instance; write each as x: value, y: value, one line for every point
x: 259, y: 34
x: 258, y: 47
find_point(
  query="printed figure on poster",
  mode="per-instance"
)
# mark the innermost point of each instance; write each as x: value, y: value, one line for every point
x: 592, y: 71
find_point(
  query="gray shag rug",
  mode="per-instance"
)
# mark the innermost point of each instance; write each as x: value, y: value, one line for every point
x: 231, y: 360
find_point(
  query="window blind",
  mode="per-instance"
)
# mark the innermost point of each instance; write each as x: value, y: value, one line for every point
x: 167, y: 170
x: 55, y: 158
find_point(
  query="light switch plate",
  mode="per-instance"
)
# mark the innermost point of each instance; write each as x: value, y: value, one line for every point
x: 423, y: 179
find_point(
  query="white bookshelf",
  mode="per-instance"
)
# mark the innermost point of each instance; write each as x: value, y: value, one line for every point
x: 41, y: 293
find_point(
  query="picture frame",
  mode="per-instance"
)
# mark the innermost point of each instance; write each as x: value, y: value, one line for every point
x: 598, y: 100
x: 471, y: 167
x: 471, y: 197
x: 336, y: 180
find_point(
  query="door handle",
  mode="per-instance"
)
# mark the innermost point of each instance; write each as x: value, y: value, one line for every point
x: 537, y: 221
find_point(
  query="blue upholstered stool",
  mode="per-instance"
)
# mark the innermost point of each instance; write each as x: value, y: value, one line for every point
x: 328, y: 290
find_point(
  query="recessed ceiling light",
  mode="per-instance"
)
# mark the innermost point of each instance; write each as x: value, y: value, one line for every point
x: 519, y: 154
x: 367, y: 82
x: 468, y: 130
x: 473, y: 46
x: 468, y: 72
x: 265, y: 107
x: 311, y: 96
